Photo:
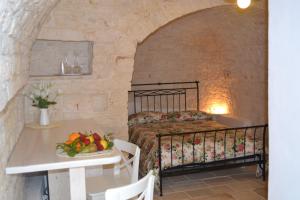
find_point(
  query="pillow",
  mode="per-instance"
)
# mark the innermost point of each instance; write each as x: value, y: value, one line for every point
x: 151, y: 117
x: 186, y: 116
x: 144, y: 117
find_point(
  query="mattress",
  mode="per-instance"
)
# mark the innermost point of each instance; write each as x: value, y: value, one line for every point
x: 192, y: 148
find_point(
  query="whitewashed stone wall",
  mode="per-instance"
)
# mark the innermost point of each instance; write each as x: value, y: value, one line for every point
x: 11, y: 124
x: 19, y: 24
x: 228, y: 56
x: 115, y: 27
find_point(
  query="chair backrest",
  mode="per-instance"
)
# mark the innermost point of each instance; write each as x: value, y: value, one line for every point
x: 143, y: 189
x: 131, y: 164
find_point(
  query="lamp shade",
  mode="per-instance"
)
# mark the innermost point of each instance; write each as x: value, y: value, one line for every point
x: 218, y: 108
x: 243, y: 4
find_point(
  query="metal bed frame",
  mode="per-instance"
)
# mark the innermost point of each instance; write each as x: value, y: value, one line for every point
x: 259, y: 132
x: 160, y: 95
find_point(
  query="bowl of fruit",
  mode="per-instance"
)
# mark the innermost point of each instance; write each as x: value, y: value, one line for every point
x: 84, y: 144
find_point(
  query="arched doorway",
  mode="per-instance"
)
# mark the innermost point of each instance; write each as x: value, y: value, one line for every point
x: 228, y: 56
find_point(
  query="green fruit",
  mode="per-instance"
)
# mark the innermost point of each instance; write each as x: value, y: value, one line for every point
x: 92, y: 148
x: 71, y: 153
x: 66, y: 148
x: 85, y: 149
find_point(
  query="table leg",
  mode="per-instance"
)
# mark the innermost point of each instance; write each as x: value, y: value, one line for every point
x: 117, y: 169
x: 59, y: 184
x: 77, y: 183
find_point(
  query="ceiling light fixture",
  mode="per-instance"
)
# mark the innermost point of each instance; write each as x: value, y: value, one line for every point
x: 243, y: 4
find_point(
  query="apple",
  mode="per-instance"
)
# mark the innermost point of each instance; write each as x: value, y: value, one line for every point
x: 96, y: 136
x: 99, y: 145
x: 86, y: 141
x: 82, y: 137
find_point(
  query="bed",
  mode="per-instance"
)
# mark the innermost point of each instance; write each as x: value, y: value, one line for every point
x: 174, y: 140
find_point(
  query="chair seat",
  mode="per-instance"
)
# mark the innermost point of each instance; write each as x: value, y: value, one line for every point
x: 124, y: 173
x: 97, y: 185
x: 142, y: 189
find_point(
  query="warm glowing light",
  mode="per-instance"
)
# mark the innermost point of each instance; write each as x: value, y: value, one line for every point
x: 217, y: 108
x: 243, y: 4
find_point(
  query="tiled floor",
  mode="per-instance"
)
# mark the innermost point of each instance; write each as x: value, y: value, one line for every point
x: 230, y: 184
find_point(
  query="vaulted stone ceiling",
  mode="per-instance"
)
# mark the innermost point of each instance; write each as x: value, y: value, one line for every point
x: 20, y: 22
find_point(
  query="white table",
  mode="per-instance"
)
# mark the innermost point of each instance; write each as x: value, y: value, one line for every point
x: 36, y: 151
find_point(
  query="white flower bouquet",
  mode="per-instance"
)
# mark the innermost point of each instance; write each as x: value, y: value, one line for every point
x: 42, y: 95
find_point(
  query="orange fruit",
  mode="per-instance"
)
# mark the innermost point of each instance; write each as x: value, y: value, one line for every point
x: 68, y: 142
x: 74, y: 136
x: 78, y: 147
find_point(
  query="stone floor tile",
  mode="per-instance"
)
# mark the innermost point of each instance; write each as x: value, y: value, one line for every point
x: 247, y: 195
x: 249, y: 168
x: 245, y: 176
x: 261, y: 182
x: 189, y: 186
x: 218, y: 180
x: 201, y: 175
x: 262, y: 192
x: 173, y: 196
x: 244, y: 185
x: 220, y: 196
x: 228, y: 172
x: 240, y: 185
x: 200, y: 193
x: 185, y: 182
x: 173, y: 179
x: 167, y: 189
x: 221, y: 189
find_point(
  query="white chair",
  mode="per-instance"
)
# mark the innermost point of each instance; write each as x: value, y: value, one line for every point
x: 121, y: 174
x: 143, y: 189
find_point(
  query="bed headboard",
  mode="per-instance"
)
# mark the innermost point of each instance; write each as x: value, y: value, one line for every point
x: 164, y: 97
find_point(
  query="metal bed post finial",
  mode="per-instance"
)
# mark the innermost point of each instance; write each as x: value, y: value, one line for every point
x: 264, y: 153
x: 159, y: 163
x: 197, y: 85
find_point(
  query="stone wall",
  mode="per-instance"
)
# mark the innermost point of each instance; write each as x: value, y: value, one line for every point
x: 228, y: 56
x: 11, y: 124
x: 19, y: 25
x: 20, y: 21
x: 115, y: 27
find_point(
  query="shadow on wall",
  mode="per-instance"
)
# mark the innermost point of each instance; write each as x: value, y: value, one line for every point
x: 222, y: 48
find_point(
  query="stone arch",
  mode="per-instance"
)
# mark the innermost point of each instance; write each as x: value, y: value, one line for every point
x: 116, y: 29
x: 222, y: 54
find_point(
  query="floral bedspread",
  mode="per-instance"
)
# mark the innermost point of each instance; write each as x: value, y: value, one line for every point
x: 144, y: 135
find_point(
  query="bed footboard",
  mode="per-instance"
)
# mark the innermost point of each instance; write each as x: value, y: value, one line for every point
x: 240, y: 153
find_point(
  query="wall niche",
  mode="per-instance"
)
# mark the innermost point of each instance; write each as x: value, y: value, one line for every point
x: 61, y: 58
